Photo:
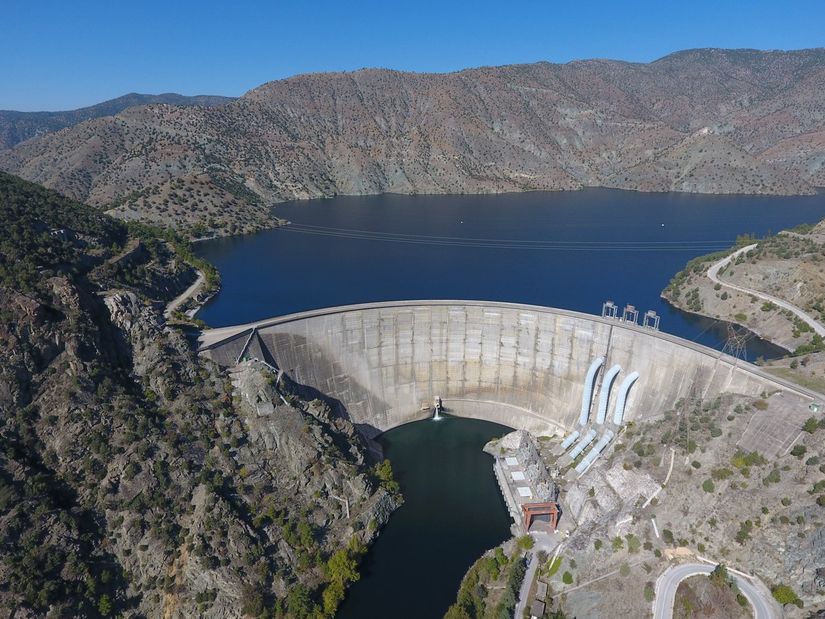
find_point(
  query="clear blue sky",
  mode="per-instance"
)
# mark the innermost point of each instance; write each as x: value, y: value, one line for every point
x: 68, y: 53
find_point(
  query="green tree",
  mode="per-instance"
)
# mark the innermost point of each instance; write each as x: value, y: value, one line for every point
x: 525, y: 542
x: 104, y: 605
x: 719, y: 576
x: 252, y: 601
x: 456, y: 612
x: 342, y: 568
x: 383, y: 471
x: 332, y: 597
x: 299, y: 603
x: 567, y: 578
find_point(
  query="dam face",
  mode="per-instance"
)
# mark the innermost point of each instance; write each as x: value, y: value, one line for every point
x: 519, y: 365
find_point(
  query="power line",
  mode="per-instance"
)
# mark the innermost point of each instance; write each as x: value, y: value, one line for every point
x: 493, y: 243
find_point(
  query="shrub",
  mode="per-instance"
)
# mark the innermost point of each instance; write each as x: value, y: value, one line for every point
x: 744, y: 533
x: 525, y: 542
x: 624, y: 570
x: 784, y: 595
x: 810, y: 425
x: 774, y: 477
x: 553, y: 567
x: 721, y: 474
x: 567, y: 578
x: 383, y: 472
x: 708, y: 486
x: 799, y: 451
x: 743, y: 459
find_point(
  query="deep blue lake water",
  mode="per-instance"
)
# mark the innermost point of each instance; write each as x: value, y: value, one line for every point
x: 572, y: 250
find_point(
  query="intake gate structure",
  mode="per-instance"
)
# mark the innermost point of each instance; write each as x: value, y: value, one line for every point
x: 523, y: 366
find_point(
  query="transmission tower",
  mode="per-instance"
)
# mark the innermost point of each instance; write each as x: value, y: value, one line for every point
x: 736, y: 343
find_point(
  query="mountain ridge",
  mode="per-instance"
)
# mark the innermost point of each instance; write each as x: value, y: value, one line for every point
x: 17, y: 126
x: 707, y: 120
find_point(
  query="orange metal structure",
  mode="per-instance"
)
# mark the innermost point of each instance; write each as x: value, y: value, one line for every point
x: 531, y: 510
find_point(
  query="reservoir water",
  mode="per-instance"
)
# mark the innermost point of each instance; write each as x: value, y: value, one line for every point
x: 453, y: 511
x: 570, y: 250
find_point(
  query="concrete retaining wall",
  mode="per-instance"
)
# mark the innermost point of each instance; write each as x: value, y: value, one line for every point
x: 523, y: 366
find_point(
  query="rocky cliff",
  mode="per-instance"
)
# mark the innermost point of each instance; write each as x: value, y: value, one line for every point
x: 136, y: 478
x: 714, y: 121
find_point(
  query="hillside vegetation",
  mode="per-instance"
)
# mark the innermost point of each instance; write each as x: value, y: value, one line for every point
x: 137, y: 480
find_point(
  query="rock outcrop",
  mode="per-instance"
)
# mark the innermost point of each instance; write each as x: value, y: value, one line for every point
x: 136, y: 479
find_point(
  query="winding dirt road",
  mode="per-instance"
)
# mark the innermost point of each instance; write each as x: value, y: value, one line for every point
x: 760, y: 599
x: 713, y: 274
x: 175, y: 303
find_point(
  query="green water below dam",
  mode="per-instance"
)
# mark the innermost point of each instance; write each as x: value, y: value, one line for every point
x: 453, y: 512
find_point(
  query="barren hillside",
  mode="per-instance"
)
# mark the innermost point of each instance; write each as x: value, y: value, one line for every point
x: 715, y: 121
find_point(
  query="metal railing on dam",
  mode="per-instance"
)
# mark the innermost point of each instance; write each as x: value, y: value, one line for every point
x: 520, y: 365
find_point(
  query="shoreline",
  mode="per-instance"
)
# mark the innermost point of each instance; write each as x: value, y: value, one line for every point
x: 722, y: 321
x: 280, y: 222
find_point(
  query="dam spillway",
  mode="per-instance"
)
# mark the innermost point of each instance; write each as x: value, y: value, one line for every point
x: 518, y: 365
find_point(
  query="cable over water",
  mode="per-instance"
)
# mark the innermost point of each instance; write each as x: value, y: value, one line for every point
x: 494, y: 243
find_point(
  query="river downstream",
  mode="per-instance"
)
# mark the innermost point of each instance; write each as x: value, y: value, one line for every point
x: 453, y: 511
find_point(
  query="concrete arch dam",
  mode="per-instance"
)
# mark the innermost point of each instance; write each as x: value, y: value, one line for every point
x: 519, y: 365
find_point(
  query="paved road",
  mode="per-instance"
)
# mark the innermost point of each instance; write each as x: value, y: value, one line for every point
x: 763, y: 605
x: 713, y: 274
x: 524, y: 592
x: 178, y: 301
